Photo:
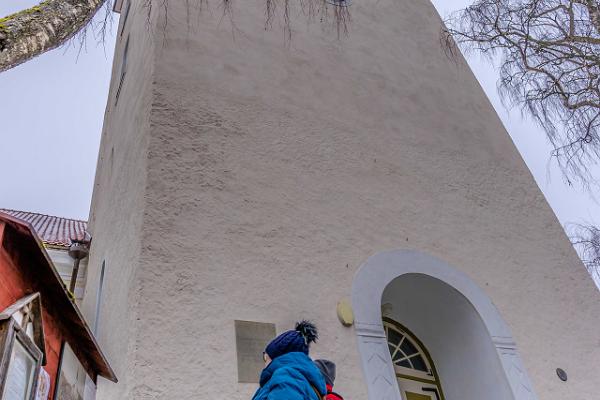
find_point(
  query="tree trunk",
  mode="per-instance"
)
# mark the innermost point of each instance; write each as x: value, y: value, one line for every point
x: 33, y: 31
x: 594, y: 10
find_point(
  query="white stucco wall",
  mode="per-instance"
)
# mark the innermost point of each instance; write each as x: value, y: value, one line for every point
x: 117, y: 208
x: 240, y: 178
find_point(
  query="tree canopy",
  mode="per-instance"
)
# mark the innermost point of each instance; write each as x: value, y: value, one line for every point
x: 586, y: 239
x: 549, y: 54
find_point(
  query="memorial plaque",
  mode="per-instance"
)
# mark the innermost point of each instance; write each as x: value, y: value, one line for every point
x: 251, y: 338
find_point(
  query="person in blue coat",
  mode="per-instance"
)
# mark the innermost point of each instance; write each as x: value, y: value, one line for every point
x: 289, y: 373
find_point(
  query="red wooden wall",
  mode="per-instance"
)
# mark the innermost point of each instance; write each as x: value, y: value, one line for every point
x: 13, y: 286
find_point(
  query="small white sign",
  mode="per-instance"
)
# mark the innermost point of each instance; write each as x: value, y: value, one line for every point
x: 43, y: 389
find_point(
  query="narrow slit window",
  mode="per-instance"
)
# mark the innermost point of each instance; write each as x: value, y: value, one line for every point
x: 123, y: 69
x: 125, y: 17
x: 99, y: 297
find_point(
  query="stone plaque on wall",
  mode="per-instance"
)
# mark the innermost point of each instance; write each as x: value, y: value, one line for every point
x: 251, y: 338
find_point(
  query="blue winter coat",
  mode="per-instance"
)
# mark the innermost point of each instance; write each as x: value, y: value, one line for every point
x: 289, y: 377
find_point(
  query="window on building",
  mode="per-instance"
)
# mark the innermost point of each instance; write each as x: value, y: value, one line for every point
x: 21, y: 371
x: 99, y: 296
x: 340, y: 3
x: 404, y: 349
x: 22, y: 348
x: 123, y: 69
x: 125, y: 17
x: 72, y: 378
x: 415, y: 372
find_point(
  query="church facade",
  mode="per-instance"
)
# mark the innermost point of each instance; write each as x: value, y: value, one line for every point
x: 246, y: 181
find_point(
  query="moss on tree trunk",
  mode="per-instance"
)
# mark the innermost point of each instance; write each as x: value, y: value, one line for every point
x: 33, y: 31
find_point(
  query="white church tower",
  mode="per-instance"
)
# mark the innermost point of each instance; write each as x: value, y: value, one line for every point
x: 246, y: 181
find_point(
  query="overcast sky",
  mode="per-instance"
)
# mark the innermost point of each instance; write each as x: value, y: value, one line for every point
x: 52, y: 108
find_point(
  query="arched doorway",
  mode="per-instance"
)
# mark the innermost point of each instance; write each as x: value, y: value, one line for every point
x: 471, y: 344
x: 415, y: 369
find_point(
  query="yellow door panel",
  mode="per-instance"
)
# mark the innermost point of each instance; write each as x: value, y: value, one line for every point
x: 416, y: 396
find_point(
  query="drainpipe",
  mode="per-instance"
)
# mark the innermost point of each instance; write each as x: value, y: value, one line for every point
x: 57, y: 380
x: 78, y: 250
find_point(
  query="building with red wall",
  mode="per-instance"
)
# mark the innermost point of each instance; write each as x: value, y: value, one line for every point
x: 57, y: 234
x: 38, y: 317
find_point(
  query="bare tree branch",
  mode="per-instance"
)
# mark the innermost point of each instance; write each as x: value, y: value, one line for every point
x: 550, y: 66
x: 586, y: 239
x: 31, y: 32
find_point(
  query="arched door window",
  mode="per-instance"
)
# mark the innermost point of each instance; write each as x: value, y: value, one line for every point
x: 415, y: 372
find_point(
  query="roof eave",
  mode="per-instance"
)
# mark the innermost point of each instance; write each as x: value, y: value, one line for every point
x: 69, y: 311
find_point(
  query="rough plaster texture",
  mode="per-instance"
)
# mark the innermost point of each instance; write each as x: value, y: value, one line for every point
x: 117, y: 210
x: 240, y: 178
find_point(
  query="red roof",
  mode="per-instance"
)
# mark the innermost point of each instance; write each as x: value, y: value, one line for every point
x: 42, y: 276
x: 54, y: 231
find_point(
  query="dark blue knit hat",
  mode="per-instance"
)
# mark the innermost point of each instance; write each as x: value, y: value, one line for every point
x: 297, y: 340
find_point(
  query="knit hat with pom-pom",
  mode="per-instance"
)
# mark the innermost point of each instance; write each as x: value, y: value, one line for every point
x: 297, y: 340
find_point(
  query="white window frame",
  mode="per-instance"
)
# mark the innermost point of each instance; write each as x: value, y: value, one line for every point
x: 10, y: 333
x: 430, y: 374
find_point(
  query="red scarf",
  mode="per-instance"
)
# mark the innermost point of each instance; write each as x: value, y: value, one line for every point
x: 331, y: 395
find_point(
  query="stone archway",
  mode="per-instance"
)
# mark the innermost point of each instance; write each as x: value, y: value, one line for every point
x: 368, y: 287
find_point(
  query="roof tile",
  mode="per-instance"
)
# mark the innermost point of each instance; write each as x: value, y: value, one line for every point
x: 54, y: 231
